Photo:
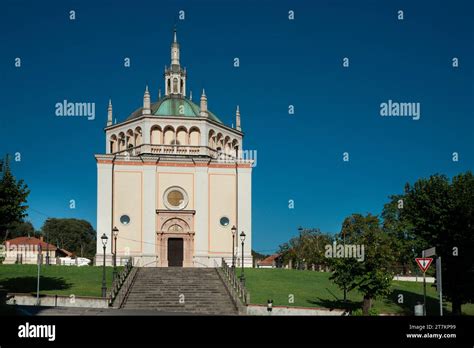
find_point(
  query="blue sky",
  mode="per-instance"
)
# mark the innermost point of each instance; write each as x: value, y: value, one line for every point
x: 282, y: 62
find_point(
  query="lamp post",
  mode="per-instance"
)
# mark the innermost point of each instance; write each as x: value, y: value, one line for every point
x: 234, y: 230
x: 104, y: 239
x: 344, y: 242
x: 300, y: 230
x: 242, y: 277
x: 47, y: 250
x: 115, y: 232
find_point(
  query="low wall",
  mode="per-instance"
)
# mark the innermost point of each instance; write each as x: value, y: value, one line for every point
x: 57, y: 301
x: 414, y: 279
x: 281, y: 310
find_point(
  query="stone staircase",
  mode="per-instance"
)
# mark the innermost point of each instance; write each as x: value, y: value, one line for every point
x: 176, y: 289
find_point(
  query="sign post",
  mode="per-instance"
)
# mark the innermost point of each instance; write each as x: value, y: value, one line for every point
x: 424, y: 287
x: 439, y: 284
x: 40, y: 260
x: 424, y: 263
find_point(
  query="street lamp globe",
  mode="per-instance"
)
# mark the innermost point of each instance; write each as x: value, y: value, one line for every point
x: 242, y: 236
x: 104, y: 239
x: 115, y: 231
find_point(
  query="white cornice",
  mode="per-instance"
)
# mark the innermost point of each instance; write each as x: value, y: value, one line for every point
x: 173, y: 118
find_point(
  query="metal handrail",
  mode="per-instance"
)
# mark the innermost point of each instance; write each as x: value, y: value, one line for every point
x: 120, y: 281
x: 236, y: 287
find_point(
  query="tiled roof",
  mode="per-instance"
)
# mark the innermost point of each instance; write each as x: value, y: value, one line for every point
x: 268, y: 261
x: 31, y: 241
x: 172, y: 106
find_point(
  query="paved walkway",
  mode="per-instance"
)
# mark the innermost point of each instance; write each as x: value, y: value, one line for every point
x: 35, y: 311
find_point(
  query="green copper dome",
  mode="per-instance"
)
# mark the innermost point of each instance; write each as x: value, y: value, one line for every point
x: 168, y: 106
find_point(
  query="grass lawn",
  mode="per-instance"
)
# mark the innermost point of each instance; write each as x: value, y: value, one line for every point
x: 314, y: 289
x: 309, y: 289
x: 55, y: 280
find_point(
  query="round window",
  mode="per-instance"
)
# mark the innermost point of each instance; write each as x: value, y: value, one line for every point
x: 125, y: 219
x: 224, y: 221
x: 175, y: 198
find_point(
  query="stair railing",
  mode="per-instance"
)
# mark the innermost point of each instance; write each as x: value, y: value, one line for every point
x: 121, y: 284
x: 239, y: 293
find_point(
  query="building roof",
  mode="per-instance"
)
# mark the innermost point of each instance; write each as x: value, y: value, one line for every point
x: 173, y: 106
x: 65, y: 252
x: 269, y: 261
x: 31, y: 241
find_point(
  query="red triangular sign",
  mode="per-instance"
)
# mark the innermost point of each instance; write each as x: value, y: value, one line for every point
x: 424, y: 263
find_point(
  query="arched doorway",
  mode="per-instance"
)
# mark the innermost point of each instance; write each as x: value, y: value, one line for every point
x: 175, y: 239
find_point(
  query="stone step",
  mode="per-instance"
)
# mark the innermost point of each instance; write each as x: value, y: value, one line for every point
x: 160, y: 289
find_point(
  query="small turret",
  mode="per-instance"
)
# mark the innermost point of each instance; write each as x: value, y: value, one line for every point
x: 109, y: 113
x: 146, y: 102
x: 237, y: 119
x: 203, y: 112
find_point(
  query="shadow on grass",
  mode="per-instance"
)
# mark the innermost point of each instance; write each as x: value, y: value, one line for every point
x: 28, y: 284
x: 410, y: 299
x: 4, y: 308
x: 336, y: 304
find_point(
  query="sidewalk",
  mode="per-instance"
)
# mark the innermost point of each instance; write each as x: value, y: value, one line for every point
x: 52, y: 311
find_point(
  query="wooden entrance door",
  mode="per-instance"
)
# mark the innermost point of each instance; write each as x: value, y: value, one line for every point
x: 175, y: 252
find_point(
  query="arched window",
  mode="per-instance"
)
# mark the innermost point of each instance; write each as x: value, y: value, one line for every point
x: 130, y: 141
x: 181, y: 135
x: 194, y: 136
x: 168, y: 135
x: 113, y: 143
x: 175, y: 85
x: 219, y: 141
x: 235, y: 146
x: 121, y: 141
x: 138, y: 136
x: 211, y: 140
x: 227, y: 145
x: 155, y: 135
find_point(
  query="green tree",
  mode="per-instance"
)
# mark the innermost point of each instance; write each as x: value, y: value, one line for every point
x: 74, y: 235
x: 13, y: 198
x: 313, y: 244
x: 404, y: 243
x: 442, y: 215
x: 259, y: 256
x: 371, y: 276
x: 306, y: 249
x: 21, y: 229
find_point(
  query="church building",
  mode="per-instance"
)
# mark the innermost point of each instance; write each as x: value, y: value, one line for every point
x: 173, y: 182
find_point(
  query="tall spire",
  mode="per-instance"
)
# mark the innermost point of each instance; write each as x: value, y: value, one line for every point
x: 203, y: 112
x: 237, y: 119
x: 109, y: 113
x: 146, y: 102
x: 175, y: 76
x: 175, y: 50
